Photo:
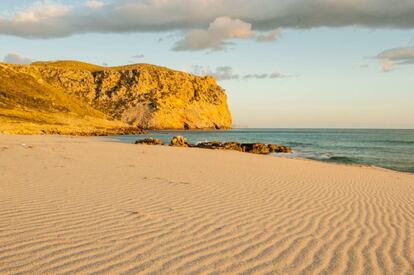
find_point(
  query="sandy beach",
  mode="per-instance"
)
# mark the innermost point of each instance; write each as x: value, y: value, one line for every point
x: 89, y: 205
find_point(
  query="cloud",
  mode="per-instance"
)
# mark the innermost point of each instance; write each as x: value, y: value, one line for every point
x: 14, y: 58
x: 138, y: 56
x: 273, y: 75
x: 227, y: 73
x: 394, y: 57
x: 220, y: 73
x: 269, y: 37
x: 387, y: 65
x: 94, y: 4
x: 255, y: 76
x: 48, y: 19
x: 279, y: 75
x: 214, y: 37
x: 40, y: 12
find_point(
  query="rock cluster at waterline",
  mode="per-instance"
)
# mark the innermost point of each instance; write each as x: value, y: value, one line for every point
x: 150, y: 141
x: 255, y: 148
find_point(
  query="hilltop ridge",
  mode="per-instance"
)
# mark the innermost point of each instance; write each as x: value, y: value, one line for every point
x: 71, y: 96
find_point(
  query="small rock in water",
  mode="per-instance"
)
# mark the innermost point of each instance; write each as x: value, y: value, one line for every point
x: 179, y: 141
x: 274, y: 148
x: 149, y: 141
x: 210, y: 145
x: 236, y: 146
x: 256, y: 148
x: 216, y: 145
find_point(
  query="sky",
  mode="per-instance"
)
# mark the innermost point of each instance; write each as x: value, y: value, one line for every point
x: 283, y: 64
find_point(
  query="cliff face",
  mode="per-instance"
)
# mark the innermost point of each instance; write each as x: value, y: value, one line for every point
x: 145, y: 95
x: 142, y: 95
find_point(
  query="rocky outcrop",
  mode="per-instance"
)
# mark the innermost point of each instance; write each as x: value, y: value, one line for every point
x: 235, y: 146
x: 179, y: 141
x: 274, y: 148
x: 216, y: 145
x: 149, y: 141
x: 141, y: 95
x: 254, y: 148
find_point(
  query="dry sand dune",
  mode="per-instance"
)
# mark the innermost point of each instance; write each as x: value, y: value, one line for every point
x: 82, y: 205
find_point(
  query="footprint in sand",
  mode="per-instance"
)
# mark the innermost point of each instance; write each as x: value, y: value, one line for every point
x: 164, y: 180
x: 27, y: 146
x: 179, y: 183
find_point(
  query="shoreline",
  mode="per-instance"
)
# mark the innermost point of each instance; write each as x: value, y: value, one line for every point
x: 146, y: 132
x: 112, y: 139
x: 278, y: 155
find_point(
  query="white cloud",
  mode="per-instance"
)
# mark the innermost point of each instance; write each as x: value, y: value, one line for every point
x: 227, y: 73
x: 53, y: 19
x: 138, y: 56
x: 214, y: 37
x: 387, y: 65
x: 269, y: 37
x: 277, y: 75
x: 94, y: 4
x: 14, y: 58
x: 273, y: 75
x: 220, y: 73
x: 394, y: 57
x: 255, y: 76
x: 41, y: 11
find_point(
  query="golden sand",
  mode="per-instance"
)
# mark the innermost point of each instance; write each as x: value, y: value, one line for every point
x: 85, y: 205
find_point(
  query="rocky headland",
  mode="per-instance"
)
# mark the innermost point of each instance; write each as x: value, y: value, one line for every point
x: 69, y: 97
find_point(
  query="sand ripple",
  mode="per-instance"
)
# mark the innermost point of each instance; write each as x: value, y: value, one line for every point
x: 84, y: 206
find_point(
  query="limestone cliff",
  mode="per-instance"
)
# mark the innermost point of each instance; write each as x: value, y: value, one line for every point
x: 141, y: 95
x: 145, y: 95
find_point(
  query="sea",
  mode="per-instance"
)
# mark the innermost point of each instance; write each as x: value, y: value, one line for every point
x: 391, y: 149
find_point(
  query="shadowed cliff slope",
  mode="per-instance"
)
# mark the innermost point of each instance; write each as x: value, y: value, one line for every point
x: 74, y: 96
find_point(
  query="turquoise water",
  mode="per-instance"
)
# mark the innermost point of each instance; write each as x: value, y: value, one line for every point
x: 392, y: 149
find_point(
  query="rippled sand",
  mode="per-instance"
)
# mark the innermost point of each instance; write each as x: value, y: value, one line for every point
x: 84, y: 205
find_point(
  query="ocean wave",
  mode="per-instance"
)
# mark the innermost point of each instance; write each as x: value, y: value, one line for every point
x: 293, y: 144
x: 394, y: 142
x: 341, y: 159
x: 327, y: 157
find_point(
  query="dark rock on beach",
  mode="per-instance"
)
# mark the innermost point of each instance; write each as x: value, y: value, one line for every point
x: 179, y: 141
x: 235, y: 146
x: 149, y: 141
x: 216, y: 145
x: 256, y: 148
x: 274, y: 148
